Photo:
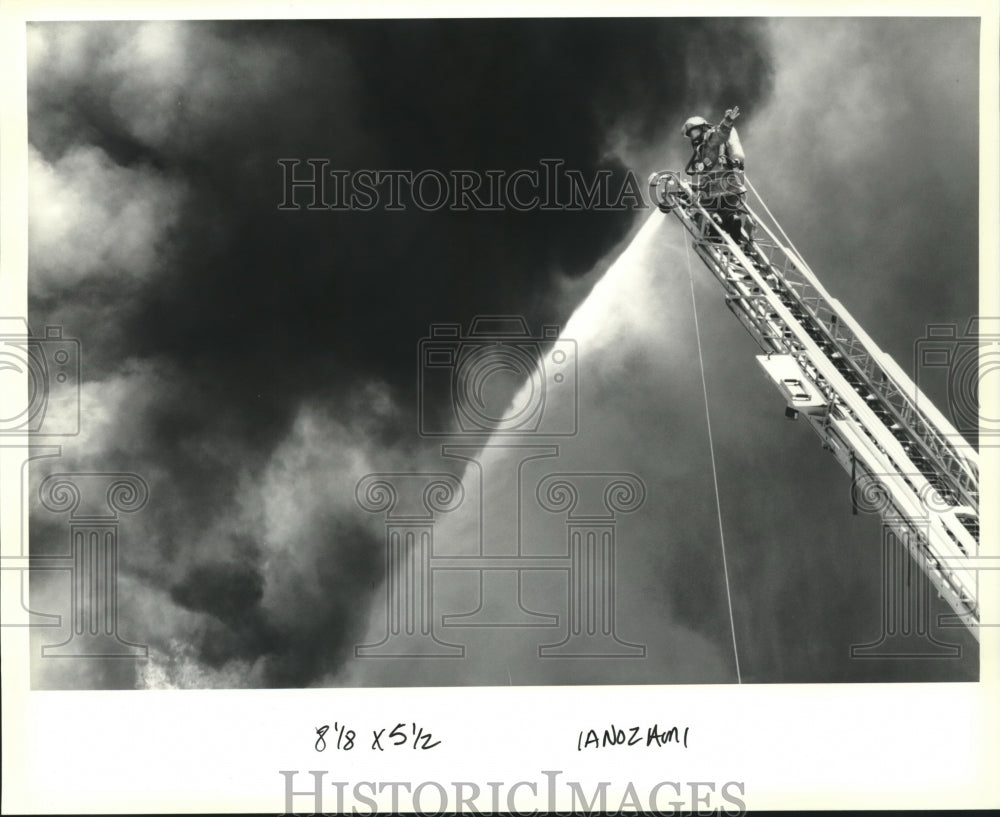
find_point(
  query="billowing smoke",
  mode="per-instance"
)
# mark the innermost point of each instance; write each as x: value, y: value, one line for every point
x: 254, y: 364
x: 232, y: 350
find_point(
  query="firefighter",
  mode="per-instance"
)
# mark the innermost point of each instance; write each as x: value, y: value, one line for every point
x: 717, y: 170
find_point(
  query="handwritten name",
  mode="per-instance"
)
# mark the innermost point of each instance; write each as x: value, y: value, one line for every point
x: 632, y: 736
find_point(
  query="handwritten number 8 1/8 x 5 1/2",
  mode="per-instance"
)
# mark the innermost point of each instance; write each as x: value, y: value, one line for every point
x: 345, y: 737
x: 399, y: 736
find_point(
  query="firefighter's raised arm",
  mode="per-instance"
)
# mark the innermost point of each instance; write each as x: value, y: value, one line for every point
x: 720, y: 134
x: 726, y: 125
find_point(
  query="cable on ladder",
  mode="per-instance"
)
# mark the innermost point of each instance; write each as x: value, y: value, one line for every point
x: 715, y: 477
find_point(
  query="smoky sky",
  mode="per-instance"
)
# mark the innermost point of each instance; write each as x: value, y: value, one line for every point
x: 345, y: 294
x: 256, y: 308
x: 252, y: 364
x: 246, y: 312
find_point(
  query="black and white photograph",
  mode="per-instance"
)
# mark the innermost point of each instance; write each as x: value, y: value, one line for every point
x: 432, y: 352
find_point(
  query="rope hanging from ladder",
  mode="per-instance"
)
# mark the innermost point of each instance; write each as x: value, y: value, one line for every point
x: 715, y: 477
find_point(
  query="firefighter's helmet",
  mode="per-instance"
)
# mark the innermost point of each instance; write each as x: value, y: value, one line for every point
x: 692, y: 123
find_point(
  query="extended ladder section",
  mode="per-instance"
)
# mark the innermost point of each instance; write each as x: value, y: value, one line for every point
x: 907, y: 461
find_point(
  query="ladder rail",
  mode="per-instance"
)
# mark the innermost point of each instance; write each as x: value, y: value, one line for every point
x: 779, y: 301
x: 958, y: 461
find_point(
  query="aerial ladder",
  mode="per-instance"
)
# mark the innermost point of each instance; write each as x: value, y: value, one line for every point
x: 904, y: 456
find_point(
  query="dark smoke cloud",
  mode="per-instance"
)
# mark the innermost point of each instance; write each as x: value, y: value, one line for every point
x: 210, y: 320
x: 409, y: 94
x: 226, y: 591
x: 310, y: 634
